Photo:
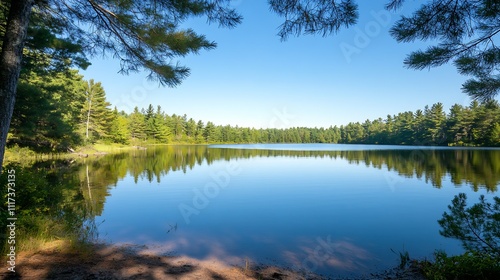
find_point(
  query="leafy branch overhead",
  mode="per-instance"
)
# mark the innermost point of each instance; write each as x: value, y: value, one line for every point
x: 142, y: 34
x: 147, y: 35
x: 465, y: 31
x: 314, y: 16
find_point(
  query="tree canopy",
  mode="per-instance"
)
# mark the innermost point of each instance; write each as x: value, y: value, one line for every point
x: 465, y: 32
x: 143, y: 35
x: 146, y: 35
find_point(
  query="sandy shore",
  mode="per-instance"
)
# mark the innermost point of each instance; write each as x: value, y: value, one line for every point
x: 58, y: 261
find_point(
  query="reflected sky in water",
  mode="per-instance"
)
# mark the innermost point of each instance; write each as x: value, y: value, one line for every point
x: 326, y: 213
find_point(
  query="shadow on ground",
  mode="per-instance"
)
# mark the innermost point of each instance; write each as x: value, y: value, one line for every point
x: 127, y: 262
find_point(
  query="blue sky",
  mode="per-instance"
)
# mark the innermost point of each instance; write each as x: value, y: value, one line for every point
x: 252, y: 79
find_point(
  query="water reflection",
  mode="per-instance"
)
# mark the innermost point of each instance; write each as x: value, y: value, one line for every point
x: 328, y: 254
x: 139, y: 191
x: 479, y: 169
x: 50, y: 203
x: 476, y: 167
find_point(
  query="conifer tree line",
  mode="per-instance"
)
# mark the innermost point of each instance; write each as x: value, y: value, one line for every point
x: 63, y: 110
x: 475, y: 125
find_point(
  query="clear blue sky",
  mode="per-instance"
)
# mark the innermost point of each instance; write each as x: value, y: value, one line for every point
x: 253, y: 80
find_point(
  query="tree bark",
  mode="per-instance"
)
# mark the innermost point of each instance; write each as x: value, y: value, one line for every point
x: 88, y: 114
x: 10, y: 64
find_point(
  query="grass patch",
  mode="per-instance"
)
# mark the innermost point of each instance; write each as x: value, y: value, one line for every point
x: 36, y: 233
x: 47, y: 209
x: 404, y: 258
x: 16, y: 154
x: 25, y: 157
x: 101, y: 147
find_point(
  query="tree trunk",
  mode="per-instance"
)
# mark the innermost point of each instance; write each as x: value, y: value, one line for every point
x: 10, y: 64
x: 88, y: 114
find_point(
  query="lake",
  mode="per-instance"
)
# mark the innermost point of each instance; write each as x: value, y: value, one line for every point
x: 341, y: 210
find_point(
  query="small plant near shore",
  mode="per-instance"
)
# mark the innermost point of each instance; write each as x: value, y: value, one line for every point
x: 247, y: 266
x: 478, y: 228
x: 404, y: 258
x: 470, y: 265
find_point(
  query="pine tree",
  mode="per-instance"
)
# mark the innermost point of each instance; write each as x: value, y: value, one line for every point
x: 191, y: 128
x: 199, y: 133
x: 58, y: 100
x: 144, y: 34
x: 495, y: 135
x: 41, y: 130
x: 137, y: 125
x: 160, y: 129
x: 209, y: 133
x: 388, y: 134
x: 149, y: 129
x: 96, y: 114
x: 177, y: 126
x: 486, y: 116
x: 456, y: 130
x: 119, y: 131
x: 435, y: 125
x: 405, y: 129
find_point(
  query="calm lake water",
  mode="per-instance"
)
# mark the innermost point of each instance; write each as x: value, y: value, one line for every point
x: 330, y: 209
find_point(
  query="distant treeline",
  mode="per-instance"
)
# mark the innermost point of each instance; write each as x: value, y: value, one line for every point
x: 55, y: 112
x: 474, y: 125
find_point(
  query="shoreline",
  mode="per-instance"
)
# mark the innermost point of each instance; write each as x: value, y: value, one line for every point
x: 25, y: 155
x: 60, y: 260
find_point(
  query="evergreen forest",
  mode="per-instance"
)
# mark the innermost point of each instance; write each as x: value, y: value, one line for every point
x: 72, y: 111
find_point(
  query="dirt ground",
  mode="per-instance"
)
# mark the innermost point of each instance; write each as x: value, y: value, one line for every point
x: 106, y: 262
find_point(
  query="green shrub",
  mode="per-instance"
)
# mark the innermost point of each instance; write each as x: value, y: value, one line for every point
x: 478, y: 228
x: 470, y: 265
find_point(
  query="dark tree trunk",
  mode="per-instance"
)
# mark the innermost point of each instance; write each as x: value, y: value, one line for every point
x: 10, y: 64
